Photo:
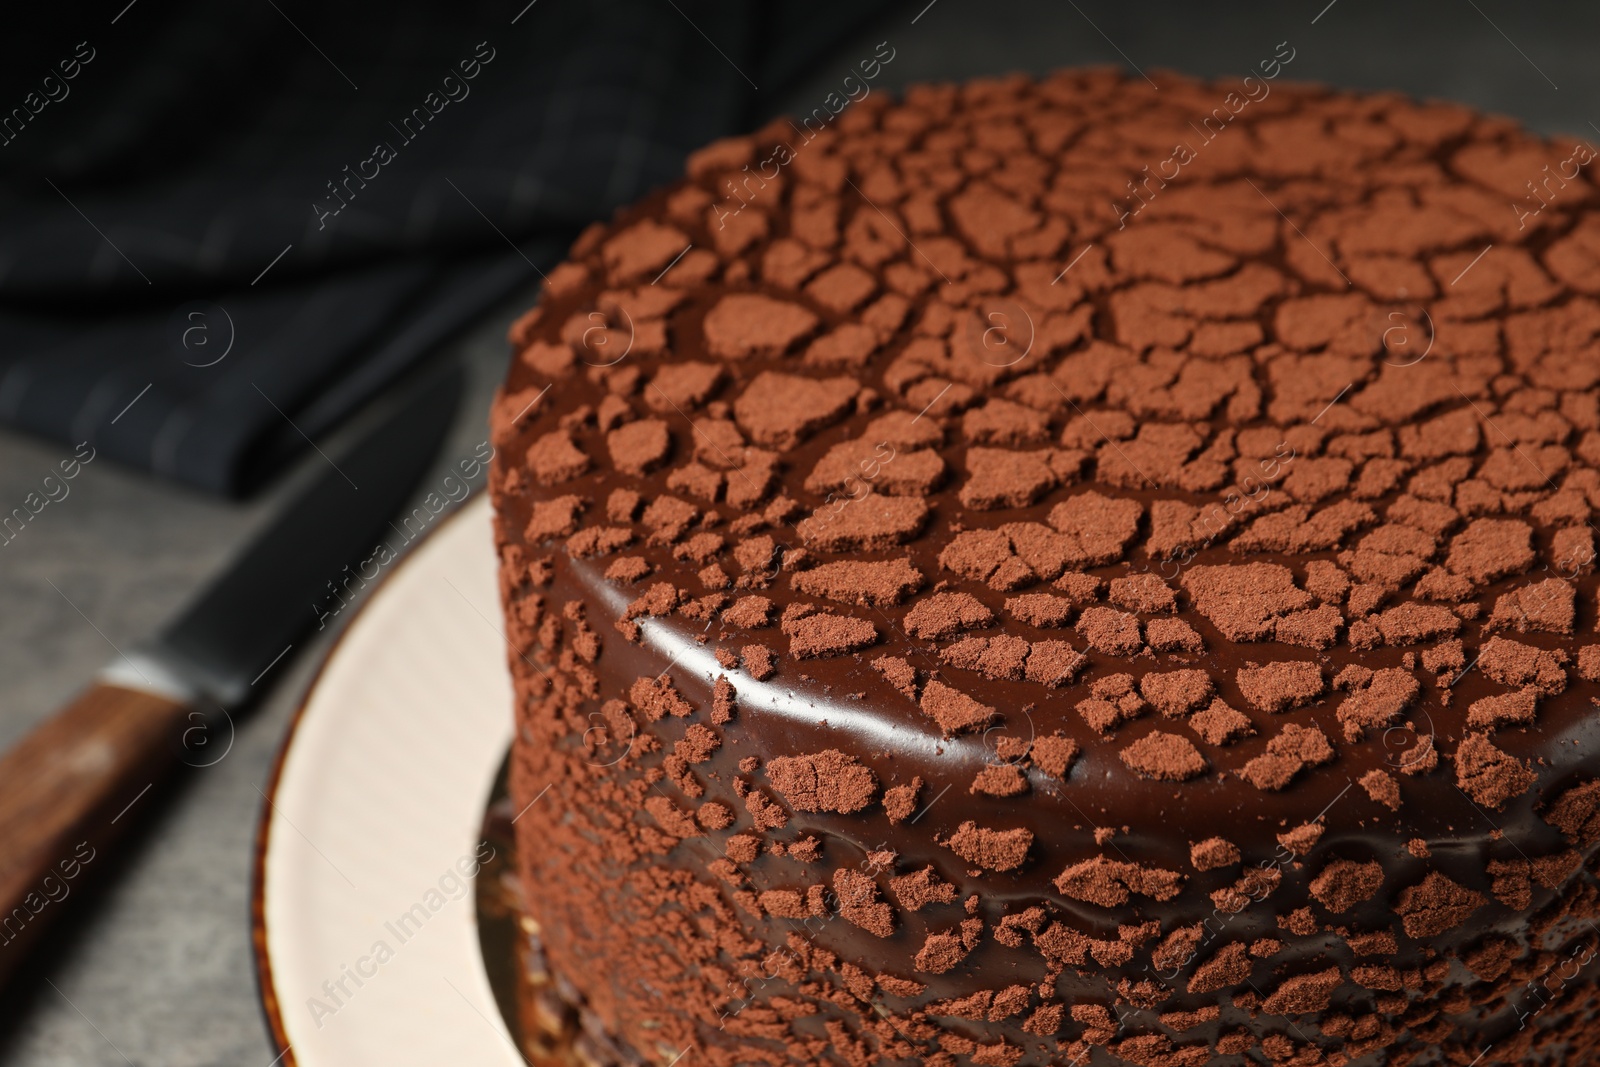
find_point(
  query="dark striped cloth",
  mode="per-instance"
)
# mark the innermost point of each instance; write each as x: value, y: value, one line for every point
x: 225, y: 226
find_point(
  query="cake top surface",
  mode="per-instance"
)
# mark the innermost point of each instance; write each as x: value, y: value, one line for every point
x: 1106, y: 456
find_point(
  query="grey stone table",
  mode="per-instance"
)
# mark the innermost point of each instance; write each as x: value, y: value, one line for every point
x: 156, y: 969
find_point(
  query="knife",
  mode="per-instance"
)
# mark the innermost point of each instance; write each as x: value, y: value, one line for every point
x: 73, y: 784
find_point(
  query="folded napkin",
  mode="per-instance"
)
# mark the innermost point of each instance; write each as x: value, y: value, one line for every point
x: 223, y: 227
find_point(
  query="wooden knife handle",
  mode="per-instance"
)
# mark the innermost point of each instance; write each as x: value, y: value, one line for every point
x: 66, y: 791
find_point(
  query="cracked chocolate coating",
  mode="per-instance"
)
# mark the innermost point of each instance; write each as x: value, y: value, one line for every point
x: 966, y: 609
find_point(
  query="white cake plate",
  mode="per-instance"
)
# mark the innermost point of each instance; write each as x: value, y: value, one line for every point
x: 366, y: 941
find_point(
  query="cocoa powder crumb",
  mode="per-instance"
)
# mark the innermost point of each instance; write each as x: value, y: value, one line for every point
x: 1142, y: 593
x: 1343, y: 884
x: 744, y: 325
x: 1228, y: 966
x: 904, y: 430
x: 1000, y: 780
x: 714, y: 816
x: 627, y: 570
x: 1164, y: 757
x: 1506, y: 709
x: 555, y: 458
x: 723, y: 696
x: 953, y: 710
x: 823, y: 781
x: 759, y: 661
x: 1109, y: 883
x: 1077, y: 587
x: 1243, y: 601
x: 1010, y: 749
x: 1176, y: 693
x: 1300, y: 922
x: 1220, y: 724
x: 1514, y: 664
x: 1294, y: 748
x: 1053, y: 754
x: 714, y: 577
x: 1420, y: 758
x: 1302, y: 839
x: 1435, y: 905
x: 1106, y: 715
x: 1411, y: 623
x: 1212, y: 853
x: 826, y: 634
x: 1488, y: 775
x: 940, y: 953
x: 900, y: 801
x: 1304, y: 993
x: 1445, y: 658
x: 995, y: 850
x: 1589, y: 663
x: 872, y: 523
x: 1493, y: 958
x: 1382, y: 787
x: 917, y: 890
x: 859, y: 902
x: 639, y: 447
x: 1376, y: 702
x: 783, y: 903
x: 899, y: 673
x: 1112, y: 632
x: 1326, y: 581
x: 1002, y: 657
x: 1002, y: 478
x: 698, y: 744
x: 1042, y: 610
x: 1491, y: 548
x: 945, y: 614
x: 1373, y: 943
x: 1280, y: 686
x: 899, y: 987
x: 1576, y: 813
x: 1053, y: 663
x: 764, y: 811
x: 749, y: 612
x: 1173, y: 635
x: 874, y: 583
x: 1549, y: 606
x: 658, y: 697
x: 552, y: 518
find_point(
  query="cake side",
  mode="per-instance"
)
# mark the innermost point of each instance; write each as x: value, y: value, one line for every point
x: 979, y: 594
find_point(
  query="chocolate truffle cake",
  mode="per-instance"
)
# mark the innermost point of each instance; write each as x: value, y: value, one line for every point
x: 1067, y: 571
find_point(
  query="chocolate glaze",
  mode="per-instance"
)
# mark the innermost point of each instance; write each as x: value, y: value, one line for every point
x: 601, y: 908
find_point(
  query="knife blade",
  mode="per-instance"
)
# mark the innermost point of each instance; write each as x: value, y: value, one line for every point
x: 255, y: 609
x: 66, y: 789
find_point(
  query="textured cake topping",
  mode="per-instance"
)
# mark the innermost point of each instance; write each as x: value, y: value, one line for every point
x: 1091, y: 553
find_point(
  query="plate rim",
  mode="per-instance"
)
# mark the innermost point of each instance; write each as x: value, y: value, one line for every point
x: 266, y: 990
